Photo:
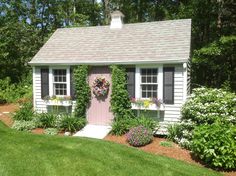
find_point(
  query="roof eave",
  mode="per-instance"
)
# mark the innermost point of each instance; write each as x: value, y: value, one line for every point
x: 169, y: 61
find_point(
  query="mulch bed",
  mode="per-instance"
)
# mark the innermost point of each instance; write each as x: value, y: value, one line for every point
x: 5, y: 117
x: 154, y: 147
x: 173, y: 152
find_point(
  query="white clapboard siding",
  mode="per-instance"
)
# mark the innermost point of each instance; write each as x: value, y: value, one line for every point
x: 172, y: 112
x: 39, y: 104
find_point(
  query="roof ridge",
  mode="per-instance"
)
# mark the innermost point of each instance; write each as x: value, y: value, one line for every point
x: 128, y: 24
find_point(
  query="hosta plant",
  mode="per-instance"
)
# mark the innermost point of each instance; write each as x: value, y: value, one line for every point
x: 22, y: 125
x: 51, y: 131
x: 139, y: 136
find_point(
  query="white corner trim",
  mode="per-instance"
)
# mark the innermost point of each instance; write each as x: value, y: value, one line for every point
x: 34, y: 88
x: 68, y: 81
x: 185, y: 79
x: 160, y: 82
x: 137, y: 82
x: 50, y: 82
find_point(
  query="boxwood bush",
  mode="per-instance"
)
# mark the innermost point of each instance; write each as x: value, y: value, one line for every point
x: 215, y: 144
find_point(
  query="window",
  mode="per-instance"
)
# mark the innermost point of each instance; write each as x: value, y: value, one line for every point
x: 59, y: 82
x: 149, y: 82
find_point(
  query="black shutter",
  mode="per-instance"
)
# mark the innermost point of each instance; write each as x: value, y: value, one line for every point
x: 168, y: 85
x: 72, y: 85
x: 44, y: 82
x: 131, y: 81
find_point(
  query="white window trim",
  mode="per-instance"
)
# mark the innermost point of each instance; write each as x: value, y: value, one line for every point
x: 51, y: 80
x: 138, y: 80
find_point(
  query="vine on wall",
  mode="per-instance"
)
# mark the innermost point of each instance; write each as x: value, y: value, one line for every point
x: 120, y: 102
x: 82, y: 90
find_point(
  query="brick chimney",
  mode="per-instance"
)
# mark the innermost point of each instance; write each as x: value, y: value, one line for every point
x: 116, y: 20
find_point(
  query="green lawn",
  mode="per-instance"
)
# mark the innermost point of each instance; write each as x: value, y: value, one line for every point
x: 28, y: 154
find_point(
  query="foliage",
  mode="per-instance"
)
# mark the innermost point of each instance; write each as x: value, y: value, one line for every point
x: 71, y: 123
x: 51, y: 131
x: 205, y: 106
x: 215, y: 144
x: 46, y: 120
x: 82, y: 90
x: 209, y: 105
x: 181, y: 133
x: 120, y: 102
x: 26, y: 25
x: 166, y: 144
x: 22, y: 125
x: 38, y: 154
x: 214, y: 64
x: 122, y: 126
x: 10, y: 92
x: 139, y: 136
x: 25, y: 112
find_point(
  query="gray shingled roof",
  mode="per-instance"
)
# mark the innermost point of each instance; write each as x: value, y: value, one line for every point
x: 159, y: 42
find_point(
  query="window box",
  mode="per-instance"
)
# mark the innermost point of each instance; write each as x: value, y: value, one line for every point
x: 152, y: 107
x: 59, y: 103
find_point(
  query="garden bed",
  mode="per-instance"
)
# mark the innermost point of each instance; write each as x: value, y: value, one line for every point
x: 155, y: 147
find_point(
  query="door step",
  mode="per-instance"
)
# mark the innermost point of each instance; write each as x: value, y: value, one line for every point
x: 94, y: 131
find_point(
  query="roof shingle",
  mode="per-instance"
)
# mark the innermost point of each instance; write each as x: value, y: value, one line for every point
x: 162, y: 41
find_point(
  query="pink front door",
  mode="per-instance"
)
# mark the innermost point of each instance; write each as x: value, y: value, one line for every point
x: 99, y: 112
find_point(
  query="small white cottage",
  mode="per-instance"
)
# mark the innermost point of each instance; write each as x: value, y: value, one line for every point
x: 156, y: 55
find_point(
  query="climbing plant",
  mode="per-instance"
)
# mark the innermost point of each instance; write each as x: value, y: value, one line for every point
x: 120, y: 102
x: 82, y: 90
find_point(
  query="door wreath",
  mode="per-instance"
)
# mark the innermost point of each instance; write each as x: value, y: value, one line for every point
x: 100, y: 86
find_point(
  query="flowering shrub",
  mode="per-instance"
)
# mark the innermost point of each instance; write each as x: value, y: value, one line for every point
x: 215, y: 144
x: 139, y: 136
x: 208, y: 127
x: 208, y: 105
x: 181, y: 133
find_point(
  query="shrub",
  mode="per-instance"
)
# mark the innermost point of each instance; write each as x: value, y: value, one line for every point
x: 25, y: 113
x: 181, y: 133
x: 146, y: 122
x: 71, y: 123
x: 10, y: 92
x: 120, y: 101
x: 209, y: 105
x: 139, y: 136
x: 122, y: 125
x: 215, y: 144
x: 51, y: 131
x: 46, y: 120
x: 82, y: 90
x: 205, y: 106
x: 22, y: 125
